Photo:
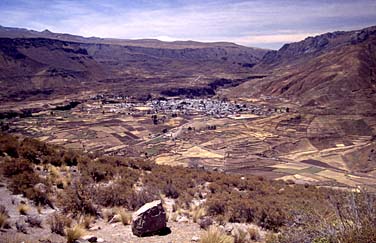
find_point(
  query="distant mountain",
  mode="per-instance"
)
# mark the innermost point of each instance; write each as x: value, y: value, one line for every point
x: 8, y: 32
x: 40, y: 64
x: 333, y: 71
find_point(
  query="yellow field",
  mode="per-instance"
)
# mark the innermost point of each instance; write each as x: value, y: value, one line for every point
x: 198, y: 152
x: 294, y: 166
x: 339, y: 177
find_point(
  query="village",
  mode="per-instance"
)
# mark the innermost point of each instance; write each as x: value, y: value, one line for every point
x: 181, y: 106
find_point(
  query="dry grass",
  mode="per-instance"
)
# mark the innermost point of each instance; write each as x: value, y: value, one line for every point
x: 215, y: 235
x: 86, y: 221
x: 3, y: 219
x: 254, y: 233
x: 58, y: 222
x: 197, y: 213
x: 54, y: 171
x: 173, y: 217
x: 23, y: 208
x: 124, y: 216
x: 3, y: 216
x: 108, y: 214
x: 241, y: 236
x: 271, y: 238
x: 39, y: 209
x: 74, y: 233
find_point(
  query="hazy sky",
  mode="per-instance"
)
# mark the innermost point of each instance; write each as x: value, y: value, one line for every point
x: 260, y: 23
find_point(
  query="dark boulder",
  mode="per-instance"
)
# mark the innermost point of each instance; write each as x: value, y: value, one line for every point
x: 150, y: 219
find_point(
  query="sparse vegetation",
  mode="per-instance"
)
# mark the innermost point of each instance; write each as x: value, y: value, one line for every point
x: 128, y: 183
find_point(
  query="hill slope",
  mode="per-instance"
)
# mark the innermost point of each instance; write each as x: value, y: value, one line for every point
x: 332, y: 71
x: 46, y: 64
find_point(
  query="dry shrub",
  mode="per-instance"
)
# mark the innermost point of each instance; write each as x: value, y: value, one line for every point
x: 352, y: 218
x: 12, y: 167
x: 215, y: 235
x: 8, y: 145
x: 78, y: 198
x: 58, y: 222
x: 34, y: 221
x: 74, y: 233
x: 21, y: 227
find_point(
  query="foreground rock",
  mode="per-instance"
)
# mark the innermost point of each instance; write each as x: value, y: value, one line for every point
x: 149, y: 219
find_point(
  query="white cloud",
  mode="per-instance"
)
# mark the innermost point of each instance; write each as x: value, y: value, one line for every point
x: 245, y: 22
x: 279, y: 38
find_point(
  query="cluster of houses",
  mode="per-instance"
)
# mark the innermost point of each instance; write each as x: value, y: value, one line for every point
x: 185, y: 106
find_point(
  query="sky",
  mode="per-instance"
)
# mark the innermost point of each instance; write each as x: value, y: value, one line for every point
x: 258, y: 23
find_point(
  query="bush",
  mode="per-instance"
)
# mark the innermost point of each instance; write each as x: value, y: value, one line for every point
x: 39, y: 197
x: 170, y: 190
x: 23, y: 182
x: 78, y: 199
x: 271, y: 218
x: 8, y: 145
x: 215, y: 235
x: 13, y: 167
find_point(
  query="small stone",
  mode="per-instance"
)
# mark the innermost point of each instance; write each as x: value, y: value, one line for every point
x: 115, y: 219
x: 183, y: 219
x: 93, y: 239
x: 229, y: 228
x: 90, y: 238
x: 100, y: 240
x: 205, y: 222
x: 95, y: 228
x: 195, y: 239
x: 40, y: 187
